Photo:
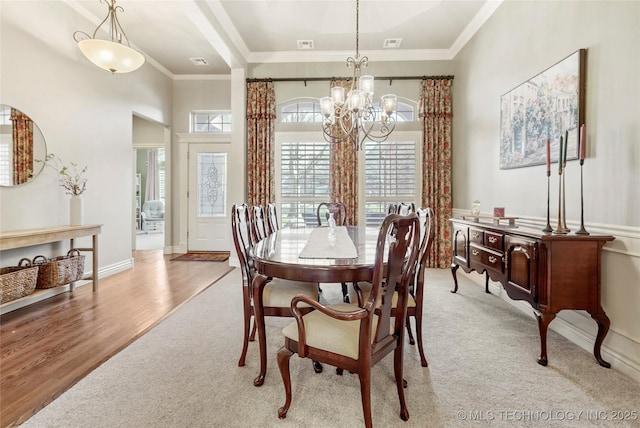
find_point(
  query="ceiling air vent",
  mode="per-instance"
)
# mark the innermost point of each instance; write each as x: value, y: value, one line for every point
x: 392, y: 43
x: 305, y: 44
x: 199, y: 61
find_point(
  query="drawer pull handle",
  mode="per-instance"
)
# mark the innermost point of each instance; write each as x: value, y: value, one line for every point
x: 493, y: 239
x: 475, y: 235
x: 492, y: 259
x: 475, y: 252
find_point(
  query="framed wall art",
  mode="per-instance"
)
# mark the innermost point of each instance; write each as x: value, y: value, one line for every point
x: 544, y: 107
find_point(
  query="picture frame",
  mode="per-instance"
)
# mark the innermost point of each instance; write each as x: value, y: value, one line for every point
x: 547, y: 106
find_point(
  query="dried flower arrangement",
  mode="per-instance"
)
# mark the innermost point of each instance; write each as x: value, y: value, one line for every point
x: 72, y: 178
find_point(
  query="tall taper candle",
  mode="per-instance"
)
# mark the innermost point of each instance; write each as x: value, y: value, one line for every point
x: 560, y: 157
x: 566, y: 144
x: 548, y: 228
x: 582, y: 141
x: 548, y: 156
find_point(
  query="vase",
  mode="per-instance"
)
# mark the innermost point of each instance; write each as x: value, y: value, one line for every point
x: 76, y: 210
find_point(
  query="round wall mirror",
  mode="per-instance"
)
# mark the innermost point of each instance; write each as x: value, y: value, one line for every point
x: 22, y: 147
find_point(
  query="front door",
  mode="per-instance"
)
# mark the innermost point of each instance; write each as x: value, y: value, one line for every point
x: 208, y: 220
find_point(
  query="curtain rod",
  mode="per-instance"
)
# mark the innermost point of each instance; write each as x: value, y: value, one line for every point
x: 328, y: 79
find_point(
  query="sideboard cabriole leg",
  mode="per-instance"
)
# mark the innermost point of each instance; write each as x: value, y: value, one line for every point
x: 544, y: 320
x: 486, y: 284
x: 454, y: 268
x: 603, y: 327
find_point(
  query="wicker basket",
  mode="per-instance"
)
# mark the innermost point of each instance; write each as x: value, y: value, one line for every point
x: 17, y: 281
x: 59, y: 270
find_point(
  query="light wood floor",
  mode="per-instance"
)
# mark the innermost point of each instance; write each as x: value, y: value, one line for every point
x: 47, y: 347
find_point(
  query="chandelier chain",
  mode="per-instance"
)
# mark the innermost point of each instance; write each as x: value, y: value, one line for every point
x: 357, y: 29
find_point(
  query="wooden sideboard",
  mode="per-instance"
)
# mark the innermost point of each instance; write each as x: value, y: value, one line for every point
x: 551, y: 272
x: 28, y: 237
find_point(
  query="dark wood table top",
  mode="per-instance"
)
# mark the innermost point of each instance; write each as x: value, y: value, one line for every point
x: 278, y: 256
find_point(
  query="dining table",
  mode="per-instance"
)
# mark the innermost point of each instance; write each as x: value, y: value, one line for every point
x: 310, y: 255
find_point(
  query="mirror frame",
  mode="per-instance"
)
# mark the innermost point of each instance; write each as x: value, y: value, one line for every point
x: 39, y: 148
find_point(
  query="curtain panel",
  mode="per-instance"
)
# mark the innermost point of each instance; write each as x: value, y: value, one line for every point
x: 261, y: 117
x: 22, y: 147
x: 343, y: 169
x: 436, y: 118
x: 152, y: 190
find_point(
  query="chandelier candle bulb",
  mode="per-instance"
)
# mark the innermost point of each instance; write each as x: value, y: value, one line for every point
x: 366, y: 84
x: 389, y: 103
x: 337, y: 93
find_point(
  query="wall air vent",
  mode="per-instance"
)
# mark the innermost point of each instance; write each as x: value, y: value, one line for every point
x: 305, y: 44
x: 392, y: 43
x: 199, y: 61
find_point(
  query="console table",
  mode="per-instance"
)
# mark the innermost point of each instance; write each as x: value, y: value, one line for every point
x: 29, y: 237
x: 551, y: 272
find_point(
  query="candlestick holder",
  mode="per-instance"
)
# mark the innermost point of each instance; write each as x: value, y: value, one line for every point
x: 548, y: 229
x: 560, y: 228
x: 582, y: 230
x: 564, y: 200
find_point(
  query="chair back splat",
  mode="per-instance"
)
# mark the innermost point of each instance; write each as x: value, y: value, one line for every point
x: 338, y: 209
x: 259, y: 229
x: 272, y: 217
x: 354, y: 338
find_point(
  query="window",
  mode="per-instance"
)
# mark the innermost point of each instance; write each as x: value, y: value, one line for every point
x: 307, y: 110
x: 304, y: 181
x: 389, y: 171
x: 301, y: 110
x: 212, y: 173
x: 390, y: 176
x: 211, y: 121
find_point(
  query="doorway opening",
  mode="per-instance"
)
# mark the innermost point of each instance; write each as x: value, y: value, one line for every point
x: 150, y: 197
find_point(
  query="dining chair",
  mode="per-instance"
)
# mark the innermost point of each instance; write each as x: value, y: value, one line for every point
x: 275, y: 293
x: 338, y: 209
x: 360, y: 292
x: 402, y: 208
x: 355, y: 338
x: 272, y: 217
x: 259, y: 229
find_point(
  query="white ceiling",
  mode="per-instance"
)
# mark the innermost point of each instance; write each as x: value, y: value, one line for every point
x: 233, y: 33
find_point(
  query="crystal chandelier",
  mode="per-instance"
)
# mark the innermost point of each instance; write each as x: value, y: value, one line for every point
x: 112, y: 55
x: 353, y: 118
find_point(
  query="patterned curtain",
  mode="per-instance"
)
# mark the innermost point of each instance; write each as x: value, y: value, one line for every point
x: 435, y: 114
x: 343, y: 170
x: 261, y: 117
x: 22, y: 147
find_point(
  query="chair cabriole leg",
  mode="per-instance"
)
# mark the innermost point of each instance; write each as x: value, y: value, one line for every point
x: 284, y: 357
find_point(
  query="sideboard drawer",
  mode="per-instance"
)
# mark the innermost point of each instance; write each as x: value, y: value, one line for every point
x: 476, y: 236
x: 494, y: 240
x: 487, y: 258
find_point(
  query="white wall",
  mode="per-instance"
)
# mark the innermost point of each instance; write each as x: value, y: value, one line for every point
x: 85, y: 114
x: 521, y: 39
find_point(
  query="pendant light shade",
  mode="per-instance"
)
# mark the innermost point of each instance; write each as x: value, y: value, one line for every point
x: 114, y: 55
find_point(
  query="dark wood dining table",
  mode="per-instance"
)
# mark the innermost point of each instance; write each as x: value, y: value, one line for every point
x: 278, y: 255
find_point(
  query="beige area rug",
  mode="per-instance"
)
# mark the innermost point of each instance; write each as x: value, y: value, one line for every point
x: 482, y: 372
x: 203, y: 256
